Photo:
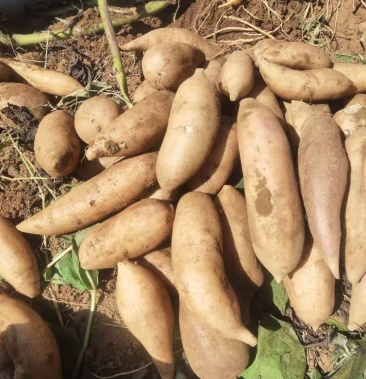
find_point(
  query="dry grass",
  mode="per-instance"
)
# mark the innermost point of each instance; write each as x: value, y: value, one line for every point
x: 269, y: 19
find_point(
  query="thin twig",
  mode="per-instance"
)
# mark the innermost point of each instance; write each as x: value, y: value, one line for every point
x: 17, y: 179
x: 113, y: 47
x: 130, y: 372
x: 176, y: 11
x: 242, y: 40
x: 93, y: 306
x: 250, y: 25
x: 228, y: 30
x: 218, y: 22
x: 252, y: 15
x: 123, y: 373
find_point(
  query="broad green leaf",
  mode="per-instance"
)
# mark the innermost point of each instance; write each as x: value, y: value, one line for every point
x: 79, y: 236
x: 279, y: 352
x: 314, y: 374
x: 351, y: 360
x: 68, y: 271
x: 273, y: 297
x: 280, y: 297
x: 337, y: 324
x: 48, y: 274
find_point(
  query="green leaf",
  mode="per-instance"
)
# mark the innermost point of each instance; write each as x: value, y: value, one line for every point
x: 351, y: 359
x: 68, y: 271
x: 79, y: 236
x: 240, y: 185
x: 280, y: 297
x: 314, y: 374
x: 273, y: 298
x: 337, y: 324
x: 279, y: 352
x: 350, y: 58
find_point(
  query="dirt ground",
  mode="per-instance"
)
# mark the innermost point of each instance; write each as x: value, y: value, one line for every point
x: 332, y: 24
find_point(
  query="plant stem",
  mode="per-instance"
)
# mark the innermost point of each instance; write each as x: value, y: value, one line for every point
x: 145, y: 10
x: 113, y: 47
x: 16, y: 179
x: 55, y: 260
x: 93, y: 307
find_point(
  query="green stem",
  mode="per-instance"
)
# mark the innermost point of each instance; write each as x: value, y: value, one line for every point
x: 113, y: 47
x: 93, y: 307
x: 145, y: 10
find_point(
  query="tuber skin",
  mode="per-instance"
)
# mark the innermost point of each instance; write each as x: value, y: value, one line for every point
x: 92, y: 201
x: 160, y: 263
x: 28, y: 341
x: 192, y: 129
x: 137, y: 130
x: 210, y: 355
x: 311, y: 287
x: 297, y: 55
x: 94, y: 116
x: 146, y: 310
x: 275, y: 215
x: 357, y: 311
x: 351, y: 118
x: 355, y: 208
x: 199, y: 268
x: 56, y: 145
x: 264, y: 95
x: 220, y: 163
x: 139, y: 228
x: 48, y: 81
x: 144, y: 89
x: 241, y: 264
x: 321, y: 84
x: 354, y: 72
x: 167, y: 65
x: 23, y: 95
x: 171, y: 35
x: 323, y: 171
x: 6, y: 73
x: 18, y: 263
x: 237, y: 75
x: 230, y: 3
x: 212, y: 70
